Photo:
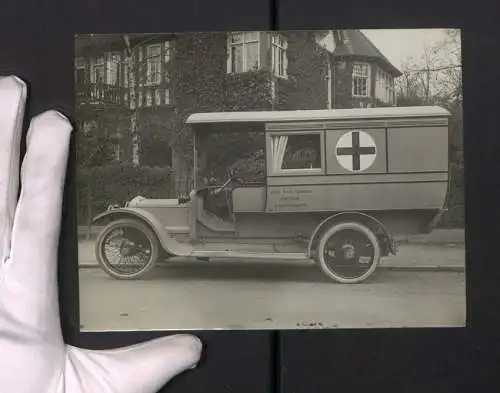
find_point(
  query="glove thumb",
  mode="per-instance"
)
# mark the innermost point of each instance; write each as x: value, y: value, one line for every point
x: 140, y: 368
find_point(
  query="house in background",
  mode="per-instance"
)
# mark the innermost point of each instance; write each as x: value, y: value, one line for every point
x: 151, y: 83
x: 105, y: 81
x: 362, y: 75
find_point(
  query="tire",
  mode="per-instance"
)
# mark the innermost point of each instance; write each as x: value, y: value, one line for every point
x: 127, y: 223
x: 351, y: 226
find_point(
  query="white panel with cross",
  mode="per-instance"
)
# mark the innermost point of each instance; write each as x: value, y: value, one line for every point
x: 352, y: 151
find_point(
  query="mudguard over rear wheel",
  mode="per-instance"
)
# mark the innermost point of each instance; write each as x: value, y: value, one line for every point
x: 348, y: 252
x: 127, y: 249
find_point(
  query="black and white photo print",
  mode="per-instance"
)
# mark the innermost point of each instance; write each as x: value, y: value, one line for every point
x: 307, y: 179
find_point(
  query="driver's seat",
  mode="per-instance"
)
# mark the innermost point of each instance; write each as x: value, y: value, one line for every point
x: 205, y: 217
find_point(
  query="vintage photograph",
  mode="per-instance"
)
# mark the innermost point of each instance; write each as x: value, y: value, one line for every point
x: 308, y: 179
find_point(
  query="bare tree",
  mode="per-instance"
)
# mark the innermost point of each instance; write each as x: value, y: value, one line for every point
x: 435, y: 77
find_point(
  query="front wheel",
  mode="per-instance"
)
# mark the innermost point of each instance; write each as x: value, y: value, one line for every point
x: 127, y: 249
x: 348, y: 252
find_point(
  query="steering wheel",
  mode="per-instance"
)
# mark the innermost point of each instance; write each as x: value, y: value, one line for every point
x: 221, y: 188
x: 231, y: 178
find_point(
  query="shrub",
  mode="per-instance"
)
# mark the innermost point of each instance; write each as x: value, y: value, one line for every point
x: 117, y: 183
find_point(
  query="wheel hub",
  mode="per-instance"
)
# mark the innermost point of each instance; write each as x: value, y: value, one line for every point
x: 349, y: 252
x: 127, y: 248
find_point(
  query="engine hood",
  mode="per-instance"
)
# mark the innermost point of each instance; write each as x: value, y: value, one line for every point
x: 140, y: 201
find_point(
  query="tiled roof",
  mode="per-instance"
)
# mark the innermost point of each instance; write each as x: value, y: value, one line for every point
x: 355, y: 43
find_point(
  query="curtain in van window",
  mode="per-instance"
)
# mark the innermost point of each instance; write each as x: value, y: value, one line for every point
x: 278, y: 146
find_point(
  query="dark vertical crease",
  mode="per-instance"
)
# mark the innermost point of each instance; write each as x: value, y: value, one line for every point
x: 275, y: 335
x: 276, y: 361
x: 274, y: 14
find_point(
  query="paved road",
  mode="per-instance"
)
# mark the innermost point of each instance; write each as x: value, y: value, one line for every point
x: 201, y: 295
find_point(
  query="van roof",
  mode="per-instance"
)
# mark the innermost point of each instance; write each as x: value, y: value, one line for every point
x: 317, y: 115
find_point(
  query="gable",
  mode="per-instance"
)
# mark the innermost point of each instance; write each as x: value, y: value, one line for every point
x: 354, y: 43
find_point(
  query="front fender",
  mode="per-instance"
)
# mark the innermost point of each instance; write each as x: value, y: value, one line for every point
x: 168, y: 243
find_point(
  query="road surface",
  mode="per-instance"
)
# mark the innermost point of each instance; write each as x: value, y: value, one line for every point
x: 253, y: 295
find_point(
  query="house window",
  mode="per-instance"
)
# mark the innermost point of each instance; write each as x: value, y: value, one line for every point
x: 126, y: 75
x: 157, y: 97
x: 80, y: 74
x: 384, y: 87
x: 97, y: 71
x: 379, y: 85
x: 391, y: 91
x: 167, y: 96
x: 167, y: 47
x: 278, y: 55
x: 361, y: 80
x: 296, y: 153
x: 149, y: 98
x: 112, y: 68
x: 167, y: 54
x: 244, y: 52
x: 140, y: 68
x: 387, y: 88
x: 153, y: 60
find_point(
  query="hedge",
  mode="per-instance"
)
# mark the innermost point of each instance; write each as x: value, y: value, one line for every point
x: 455, y: 216
x: 117, y: 183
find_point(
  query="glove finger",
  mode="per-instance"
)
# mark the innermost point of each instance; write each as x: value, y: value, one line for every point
x: 12, y: 104
x: 32, y: 269
x: 142, y: 368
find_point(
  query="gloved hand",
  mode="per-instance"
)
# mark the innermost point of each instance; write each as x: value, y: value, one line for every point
x: 33, y: 356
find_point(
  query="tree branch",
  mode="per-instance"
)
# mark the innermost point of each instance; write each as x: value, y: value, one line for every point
x: 450, y: 67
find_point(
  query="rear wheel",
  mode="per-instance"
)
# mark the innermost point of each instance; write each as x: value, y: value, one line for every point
x: 127, y: 249
x: 348, y: 252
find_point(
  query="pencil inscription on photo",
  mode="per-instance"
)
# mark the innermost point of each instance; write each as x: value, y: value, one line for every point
x: 228, y: 177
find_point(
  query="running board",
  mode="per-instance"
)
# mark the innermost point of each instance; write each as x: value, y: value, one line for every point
x: 251, y: 255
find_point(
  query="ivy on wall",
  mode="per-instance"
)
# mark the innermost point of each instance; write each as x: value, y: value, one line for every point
x: 201, y: 83
x: 306, y: 84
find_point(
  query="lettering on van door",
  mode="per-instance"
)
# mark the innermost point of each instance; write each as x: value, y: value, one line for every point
x: 356, y: 151
x: 285, y: 198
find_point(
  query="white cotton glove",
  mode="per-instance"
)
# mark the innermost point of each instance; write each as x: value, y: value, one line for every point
x: 33, y: 356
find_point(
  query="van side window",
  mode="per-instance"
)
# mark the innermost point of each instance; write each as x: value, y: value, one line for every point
x: 296, y: 152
